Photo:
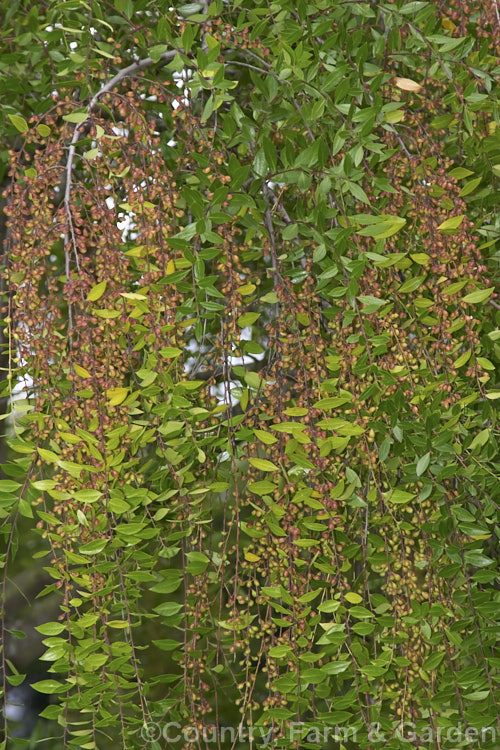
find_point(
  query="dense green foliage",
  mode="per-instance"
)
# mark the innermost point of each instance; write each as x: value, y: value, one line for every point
x: 252, y: 324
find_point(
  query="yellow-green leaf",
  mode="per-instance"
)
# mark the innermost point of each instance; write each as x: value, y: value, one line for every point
x: 421, y: 258
x: 19, y: 123
x: 43, y: 130
x: 49, y: 456
x: 353, y: 598
x: 265, y: 437
x: 247, y: 319
x: 116, y: 395
x: 107, y: 314
x: 451, y: 224
x: 399, y: 497
x: 480, y: 295
x: 76, y: 117
x: 81, y: 371
x: 395, y: 116
x: 462, y: 359
x: 469, y: 187
x: 97, y: 291
x: 250, y: 557
x: 169, y: 352
x: 263, y: 464
x: 246, y: 289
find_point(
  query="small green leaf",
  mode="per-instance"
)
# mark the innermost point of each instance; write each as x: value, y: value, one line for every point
x: 167, y: 644
x: 423, y: 463
x: 19, y: 123
x: 262, y: 488
x: 51, y: 628
x: 49, y: 686
x: 476, y: 558
x: 197, y: 563
x: 462, y: 359
x: 353, y: 598
x: 433, y: 661
x: 411, y: 284
x: 76, y: 117
x: 328, y: 606
x: 87, y: 496
x: 480, y: 295
x: 451, y: 224
x: 469, y: 187
x: 247, y: 319
x: 399, y: 497
x: 263, y: 464
x: 167, y: 609
x: 360, y: 612
x: 157, y: 51
x: 97, y: 291
x: 460, y: 172
x: 15, y: 679
x: 93, y: 548
x: 47, y: 455
x: 8, y: 485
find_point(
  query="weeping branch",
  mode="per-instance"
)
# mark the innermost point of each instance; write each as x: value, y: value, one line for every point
x: 122, y: 75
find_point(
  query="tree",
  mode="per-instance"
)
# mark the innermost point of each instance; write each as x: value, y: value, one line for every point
x: 251, y: 253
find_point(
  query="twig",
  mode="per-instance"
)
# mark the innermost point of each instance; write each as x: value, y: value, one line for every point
x: 495, y: 6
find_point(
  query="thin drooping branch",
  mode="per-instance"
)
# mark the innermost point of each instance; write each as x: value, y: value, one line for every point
x: 69, y: 236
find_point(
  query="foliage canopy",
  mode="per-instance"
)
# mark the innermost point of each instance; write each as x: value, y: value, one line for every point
x: 251, y: 262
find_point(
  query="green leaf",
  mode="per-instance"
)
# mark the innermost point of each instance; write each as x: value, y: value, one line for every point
x: 47, y: 455
x: 433, y: 661
x: 51, y: 628
x: 422, y: 464
x: 263, y: 464
x: 469, y: 187
x: 167, y: 644
x: 462, y: 359
x: 8, y: 485
x: 97, y: 291
x: 87, y: 496
x: 460, y: 172
x: 93, y: 548
x: 336, y: 667
x: 478, y: 559
x: 360, y: 612
x: 480, y: 295
x: 451, y: 224
x: 262, y: 488
x: 170, y: 352
x: 49, y: 686
x: 76, y: 117
x: 157, y: 51
x: 167, y: 609
x: 43, y: 130
x: 330, y: 605
x: 19, y: 123
x: 15, y: 679
x: 411, y: 284
x: 353, y: 598
x: 198, y: 563
x: 247, y: 319
x: 384, y: 226
x: 399, y: 497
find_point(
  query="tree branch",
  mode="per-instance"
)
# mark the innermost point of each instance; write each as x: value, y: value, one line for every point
x: 69, y: 236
